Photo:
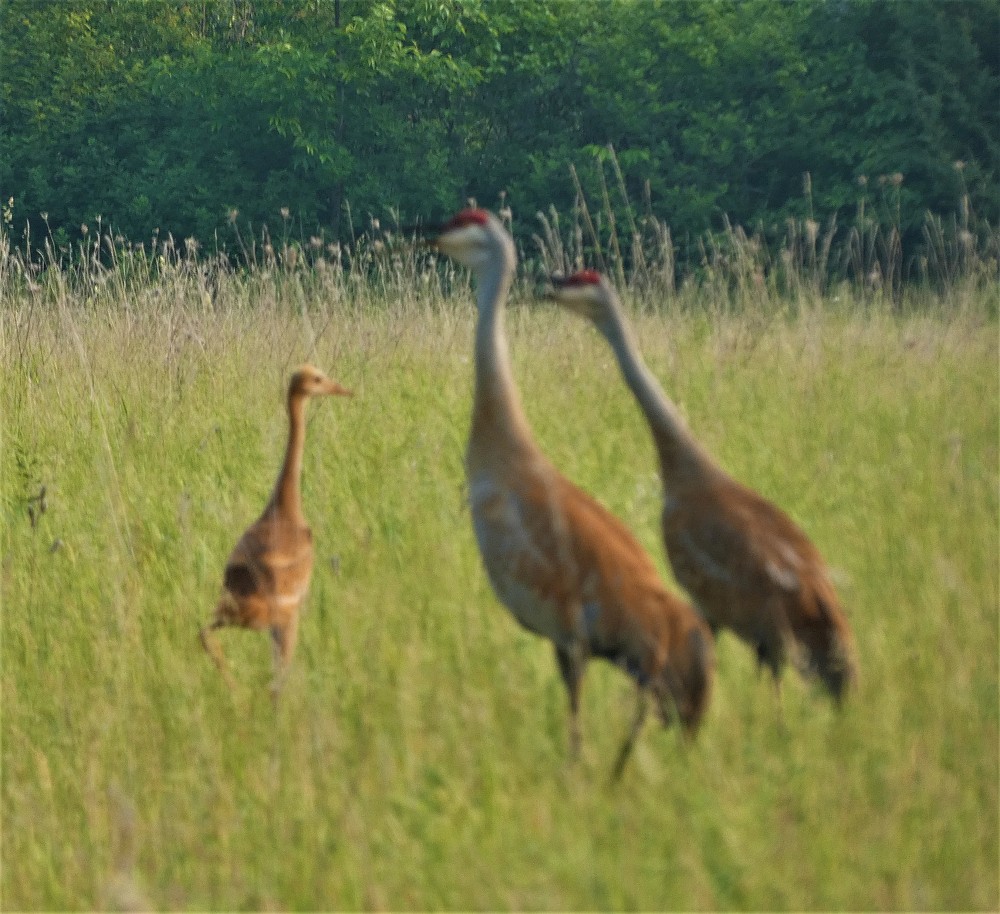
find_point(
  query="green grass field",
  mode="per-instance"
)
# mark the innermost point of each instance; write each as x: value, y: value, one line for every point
x: 418, y: 758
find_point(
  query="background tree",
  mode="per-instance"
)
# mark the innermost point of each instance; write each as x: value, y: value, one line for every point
x: 172, y: 116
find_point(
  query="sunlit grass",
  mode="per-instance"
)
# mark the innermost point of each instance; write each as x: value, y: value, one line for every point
x: 418, y: 758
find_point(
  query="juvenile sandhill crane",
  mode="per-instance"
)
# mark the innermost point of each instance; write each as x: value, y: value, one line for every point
x: 267, y: 573
x: 746, y: 565
x: 564, y: 566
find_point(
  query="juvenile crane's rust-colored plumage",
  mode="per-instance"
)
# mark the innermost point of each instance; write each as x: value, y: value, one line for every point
x: 746, y: 565
x: 564, y: 566
x: 267, y: 573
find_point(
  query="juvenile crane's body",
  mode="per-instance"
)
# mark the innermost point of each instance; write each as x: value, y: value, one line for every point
x: 562, y: 564
x: 746, y: 565
x: 267, y: 574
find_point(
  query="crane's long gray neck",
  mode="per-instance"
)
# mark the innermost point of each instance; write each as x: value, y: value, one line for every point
x: 681, y: 457
x: 497, y: 406
x: 287, y: 497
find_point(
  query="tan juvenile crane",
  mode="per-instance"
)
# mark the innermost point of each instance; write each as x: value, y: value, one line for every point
x: 746, y: 565
x: 267, y: 573
x: 563, y: 565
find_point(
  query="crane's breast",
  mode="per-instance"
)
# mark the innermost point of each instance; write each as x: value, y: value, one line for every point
x: 517, y: 551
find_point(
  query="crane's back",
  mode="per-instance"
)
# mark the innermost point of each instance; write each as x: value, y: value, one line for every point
x: 750, y: 568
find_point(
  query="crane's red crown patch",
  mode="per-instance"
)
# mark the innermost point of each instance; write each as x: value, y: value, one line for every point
x: 582, y: 278
x: 465, y: 218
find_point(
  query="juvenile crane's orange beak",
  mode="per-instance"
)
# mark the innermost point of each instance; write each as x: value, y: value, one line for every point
x: 338, y: 390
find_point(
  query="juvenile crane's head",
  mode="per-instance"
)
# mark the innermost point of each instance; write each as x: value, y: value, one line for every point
x: 477, y: 240
x: 585, y: 292
x: 308, y: 381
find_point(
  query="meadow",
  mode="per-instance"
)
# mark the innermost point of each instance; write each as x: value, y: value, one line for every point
x: 418, y: 757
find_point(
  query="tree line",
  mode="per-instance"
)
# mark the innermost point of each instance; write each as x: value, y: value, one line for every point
x: 194, y: 117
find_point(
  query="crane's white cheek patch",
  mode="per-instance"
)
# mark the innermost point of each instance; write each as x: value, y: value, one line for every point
x: 577, y: 297
x: 458, y: 242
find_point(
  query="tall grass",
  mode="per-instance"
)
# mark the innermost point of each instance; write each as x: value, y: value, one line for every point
x: 418, y: 758
x: 861, y: 251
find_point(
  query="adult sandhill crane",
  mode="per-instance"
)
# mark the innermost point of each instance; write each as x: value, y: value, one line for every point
x: 564, y: 566
x: 267, y: 573
x: 746, y: 565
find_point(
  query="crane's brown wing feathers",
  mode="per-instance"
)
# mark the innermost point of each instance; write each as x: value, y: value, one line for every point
x: 269, y: 558
x: 242, y: 580
x: 740, y: 541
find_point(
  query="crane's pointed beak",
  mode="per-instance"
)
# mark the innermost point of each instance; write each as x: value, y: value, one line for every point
x: 555, y: 282
x: 338, y: 390
x: 422, y: 234
x: 433, y: 237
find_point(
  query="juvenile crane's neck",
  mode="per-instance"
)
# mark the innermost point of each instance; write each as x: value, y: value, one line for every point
x: 498, y: 419
x: 287, y: 496
x: 682, y: 460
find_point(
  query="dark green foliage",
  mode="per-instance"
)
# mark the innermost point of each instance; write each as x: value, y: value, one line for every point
x: 185, y: 117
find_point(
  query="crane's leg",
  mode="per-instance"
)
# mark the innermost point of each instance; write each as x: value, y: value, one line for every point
x: 637, y: 721
x: 666, y: 705
x: 571, y: 663
x: 283, y: 639
x: 210, y: 641
x: 776, y: 678
x: 772, y: 658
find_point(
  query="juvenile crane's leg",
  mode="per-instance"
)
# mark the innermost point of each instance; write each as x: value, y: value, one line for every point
x: 571, y: 664
x: 210, y: 642
x: 637, y: 721
x: 283, y: 639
